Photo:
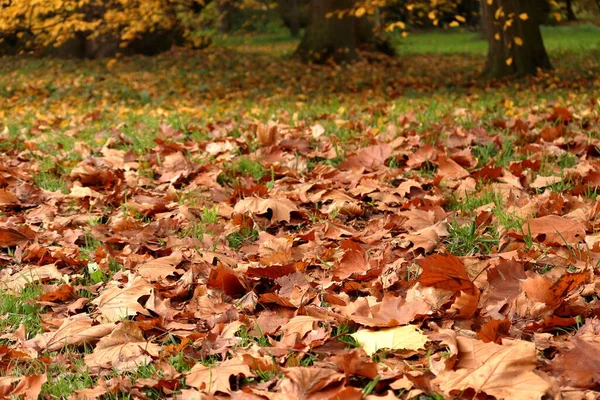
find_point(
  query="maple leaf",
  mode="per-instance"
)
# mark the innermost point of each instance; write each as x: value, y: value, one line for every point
x: 125, y: 349
x: 118, y: 302
x: 445, y: 272
x: 504, y: 371
x: 555, y: 230
x: 160, y: 268
x: 407, y: 337
x: 391, y: 311
x: 301, y: 329
x: 77, y: 330
x: 213, y: 379
x: 28, y: 387
x: 27, y: 275
x: 281, y: 209
x: 301, y: 382
x: 10, y: 237
x: 448, y: 168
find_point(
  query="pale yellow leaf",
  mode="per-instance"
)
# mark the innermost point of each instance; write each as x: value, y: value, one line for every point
x: 360, y: 11
x: 518, y: 41
x: 509, y: 61
x: 523, y: 16
x: 407, y: 337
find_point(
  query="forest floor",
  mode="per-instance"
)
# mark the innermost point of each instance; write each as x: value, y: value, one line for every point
x: 230, y: 220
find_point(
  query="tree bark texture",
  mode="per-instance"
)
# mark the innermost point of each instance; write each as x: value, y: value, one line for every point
x: 516, y: 46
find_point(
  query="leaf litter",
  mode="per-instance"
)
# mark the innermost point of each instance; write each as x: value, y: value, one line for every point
x: 313, y: 257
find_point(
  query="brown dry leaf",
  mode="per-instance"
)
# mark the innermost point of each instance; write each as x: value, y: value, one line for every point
x: 579, y: 366
x: 116, y: 303
x: 30, y: 274
x: 29, y: 387
x: 10, y: 237
x: 299, y: 327
x: 77, y: 331
x: 216, y: 379
x: 449, y: 169
x: 504, y: 371
x: 555, y: 230
x: 544, y: 181
x: 125, y: 349
x: 160, y: 268
x: 281, y: 209
x: 302, y: 382
x: 371, y: 157
x: 445, y: 272
x: 276, y: 251
x: 542, y: 290
x: 88, y: 394
x: 355, y: 362
x: 391, y: 311
x: 493, y: 331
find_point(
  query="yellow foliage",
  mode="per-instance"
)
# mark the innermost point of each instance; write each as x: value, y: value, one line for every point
x: 53, y: 22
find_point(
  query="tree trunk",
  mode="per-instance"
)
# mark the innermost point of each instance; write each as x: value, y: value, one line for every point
x: 569, y: 8
x: 290, y: 13
x: 516, y: 46
x: 331, y: 37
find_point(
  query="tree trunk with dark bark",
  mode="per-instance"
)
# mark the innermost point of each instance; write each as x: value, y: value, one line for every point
x: 569, y: 9
x: 516, y: 46
x: 289, y: 10
x: 332, y: 37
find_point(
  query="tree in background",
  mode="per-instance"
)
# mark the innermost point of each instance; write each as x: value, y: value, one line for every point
x: 336, y: 28
x: 96, y: 28
x: 515, y: 43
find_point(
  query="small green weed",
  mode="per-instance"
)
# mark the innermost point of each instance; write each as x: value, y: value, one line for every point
x: 464, y: 240
x: 237, y: 239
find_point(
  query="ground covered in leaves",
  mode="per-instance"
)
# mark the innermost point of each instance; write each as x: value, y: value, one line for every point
x: 234, y: 224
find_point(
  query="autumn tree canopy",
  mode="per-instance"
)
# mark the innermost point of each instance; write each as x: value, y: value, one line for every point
x: 96, y: 27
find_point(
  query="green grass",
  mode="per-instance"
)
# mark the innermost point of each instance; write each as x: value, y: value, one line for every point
x: 469, y: 239
x: 579, y: 38
x: 17, y: 310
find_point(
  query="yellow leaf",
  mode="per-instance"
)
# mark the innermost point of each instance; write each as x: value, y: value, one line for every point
x: 509, y: 61
x: 454, y: 24
x: 557, y: 16
x: 460, y: 18
x: 497, y: 36
x: 524, y: 16
x: 499, y: 13
x: 360, y: 11
x: 407, y: 337
x: 431, y: 15
x: 111, y: 63
x: 490, y: 2
x: 518, y: 41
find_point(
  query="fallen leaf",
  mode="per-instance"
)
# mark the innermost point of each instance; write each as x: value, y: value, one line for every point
x: 555, y: 230
x: 29, y: 274
x: 125, y: 349
x: 281, y: 209
x: 116, y: 302
x: 408, y: 337
x: 213, y: 379
x: 503, y: 371
x: 445, y: 272
x: 74, y: 331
